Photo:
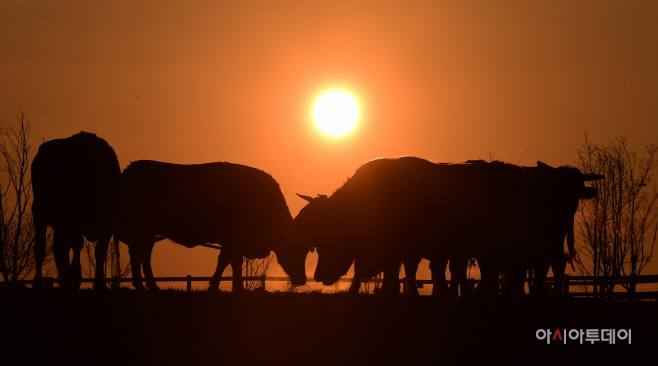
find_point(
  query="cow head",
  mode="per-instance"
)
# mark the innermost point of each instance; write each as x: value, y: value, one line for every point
x: 319, y: 225
x: 292, y: 259
x: 572, y: 181
x: 332, y: 265
x: 291, y: 254
x: 566, y: 187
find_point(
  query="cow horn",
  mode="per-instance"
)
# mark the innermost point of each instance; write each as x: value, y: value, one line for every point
x: 543, y: 165
x: 591, y: 177
x: 307, y: 198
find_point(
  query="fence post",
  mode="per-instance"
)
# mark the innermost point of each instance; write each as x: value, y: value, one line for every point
x: 404, y: 285
x: 48, y: 282
x: 336, y: 286
x: 262, y: 282
x: 189, y: 282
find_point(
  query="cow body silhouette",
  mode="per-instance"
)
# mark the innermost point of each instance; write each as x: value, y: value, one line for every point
x: 74, y: 181
x: 555, y: 196
x: 239, y: 207
x: 394, y: 211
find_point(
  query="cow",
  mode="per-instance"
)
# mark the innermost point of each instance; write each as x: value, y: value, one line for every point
x: 558, y: 192
x: 74, y: 182
x: 337, y: 241
x: 399, y: 210
x: 239, y: 207
x: 549, y: 198
x: 394, y: 211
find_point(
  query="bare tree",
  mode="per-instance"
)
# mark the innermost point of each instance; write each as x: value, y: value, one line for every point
x: 256, y: 268
x: 376, y: 284
x: 117, y: 267
x: 16, y: 225
x: 369, y: 285
x: 619, y: 226
x: 120, y: 269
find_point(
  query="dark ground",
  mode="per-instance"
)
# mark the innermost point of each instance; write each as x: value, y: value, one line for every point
x: 170, y: 327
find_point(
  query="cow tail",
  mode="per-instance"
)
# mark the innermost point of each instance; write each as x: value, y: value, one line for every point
x: 116, y: 283
x: 571, y: 248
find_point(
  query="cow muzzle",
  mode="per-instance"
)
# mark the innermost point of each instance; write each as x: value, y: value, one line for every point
x: 325, y: 280
x: 298, y: 280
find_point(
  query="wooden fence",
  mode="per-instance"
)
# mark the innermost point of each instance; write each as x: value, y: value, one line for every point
x: 50, y: 281
x: 589, y: 286
x: 600, y: 283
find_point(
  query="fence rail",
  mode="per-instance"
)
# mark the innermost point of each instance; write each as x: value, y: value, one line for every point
x: 598, y: 284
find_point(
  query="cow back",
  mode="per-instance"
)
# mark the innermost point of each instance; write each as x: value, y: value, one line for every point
x: 74, y: 181
x: 204, y: 203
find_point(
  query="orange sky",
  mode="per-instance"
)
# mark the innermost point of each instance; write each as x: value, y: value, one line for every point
x: 198, y: 81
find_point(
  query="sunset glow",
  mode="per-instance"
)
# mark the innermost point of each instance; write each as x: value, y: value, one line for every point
x: 262, y: 84
x: 336, y: 113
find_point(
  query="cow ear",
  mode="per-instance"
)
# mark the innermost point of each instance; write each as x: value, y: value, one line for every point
x: 307, y: 198
x: 323, y: 196
x: 543, y: 165
x: 592, y: 177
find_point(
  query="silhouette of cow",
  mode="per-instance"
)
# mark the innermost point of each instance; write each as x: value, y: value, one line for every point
x: 73, y: 181
x: 239, y: 207
x: 394, y: 211
x: 548, y: 198
x: 557, y: 194
x: 391, y: 211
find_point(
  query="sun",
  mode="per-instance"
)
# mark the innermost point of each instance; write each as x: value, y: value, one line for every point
x: 336, y: 113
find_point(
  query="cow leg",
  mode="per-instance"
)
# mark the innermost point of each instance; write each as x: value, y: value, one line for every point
x: 77, y: 242
x: 355, y: 286
x: 236, y: 266
x: 458, y: 277
x: 540, y: 272
x: 61, y: 248
x: 134, y: 251
x: 465, y: 286
x: 223, y: 260
x: 454, y: 278
x: 559, y: 265
x: 391, y: 285
x: 135, y: 267
x: 439, y: 284
x: 410, y: 269
x: 488, y: 285
x: 146, y: 264
x: 516, y: 281
x: 40, y: 229
x: 101, y: 256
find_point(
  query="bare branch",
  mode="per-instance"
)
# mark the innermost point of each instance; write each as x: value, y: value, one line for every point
x: 618, y: 228
x: 16, y: 223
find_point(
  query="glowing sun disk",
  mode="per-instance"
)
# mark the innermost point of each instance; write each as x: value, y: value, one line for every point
x: 336, y: 113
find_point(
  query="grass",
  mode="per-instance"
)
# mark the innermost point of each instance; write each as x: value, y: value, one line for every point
x: 306, y: 328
